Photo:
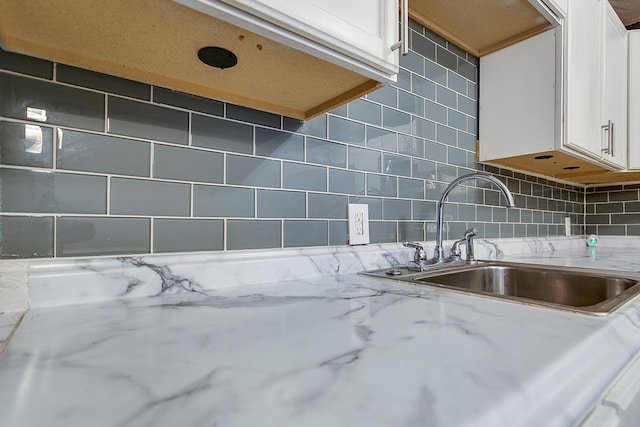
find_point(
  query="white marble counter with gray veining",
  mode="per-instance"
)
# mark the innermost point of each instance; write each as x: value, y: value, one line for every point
x: 328, y: 350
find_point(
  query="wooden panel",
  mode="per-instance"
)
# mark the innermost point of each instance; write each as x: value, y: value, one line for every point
x: 480, y: 26
x: 156, y: 41
x: 585, y: 174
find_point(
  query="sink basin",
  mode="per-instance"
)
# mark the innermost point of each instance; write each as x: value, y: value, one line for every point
x: 592, y: 292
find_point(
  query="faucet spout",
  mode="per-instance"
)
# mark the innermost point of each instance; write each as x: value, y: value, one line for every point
x: 439, y: 250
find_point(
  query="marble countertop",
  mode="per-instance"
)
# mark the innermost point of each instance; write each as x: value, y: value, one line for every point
x: 344, y: 350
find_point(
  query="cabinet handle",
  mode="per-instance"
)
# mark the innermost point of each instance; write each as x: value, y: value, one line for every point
x: 403, y: 43
x: 609, y: 129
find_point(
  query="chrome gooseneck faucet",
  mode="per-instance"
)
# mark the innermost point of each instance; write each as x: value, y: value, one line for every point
x: 438, y: 256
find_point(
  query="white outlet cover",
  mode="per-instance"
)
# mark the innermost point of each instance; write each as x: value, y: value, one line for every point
x: 358, y: 224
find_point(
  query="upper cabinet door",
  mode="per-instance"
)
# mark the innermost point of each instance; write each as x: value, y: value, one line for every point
x: 614, y: 99
x: 583, y: 76
x: 365, y: 29
x: 355, y: 34
x: 634, y: 99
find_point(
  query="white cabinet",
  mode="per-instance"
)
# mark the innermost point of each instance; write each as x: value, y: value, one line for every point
x: 620, y: 406
x: 356, y: 34
x: 614, y: 138
x: 634, y: 99
x: 546, y: 103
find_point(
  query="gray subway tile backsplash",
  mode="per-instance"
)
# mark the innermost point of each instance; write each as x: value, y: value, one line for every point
x: 33, y: 191
x: 175, y: 172
x: 93, y: 80
x: 46, y: 102
x: 220, y: 134
x: 145, y: 197
x: 187, y: 235
x: 83, y: 236
x: 142, y: 120
x: 90, y: 152
x: 26, y: 145
x: 185, y: 164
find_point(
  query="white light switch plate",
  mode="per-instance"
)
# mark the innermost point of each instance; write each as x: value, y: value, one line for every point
x: 358, y: 224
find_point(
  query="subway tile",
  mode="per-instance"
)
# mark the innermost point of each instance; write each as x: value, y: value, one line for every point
x: 393, y: 209
x: 410, y: 145
x: 436, y: 73
x: 253, y: 116
x: 446, y: 59
x: 103, y: 82
x: 457, y: 83
x: 435, y: 112
x: 456, y: 157
x: 467, y: 105
x: 412, y: 62
x: 187, y: 101
x: 597, y: 219
x: 220, y: 134
x: 472, y: 125
x: 627, y: 218
x: 340, y: 111
x: 375, y: 205
x: 327, y: 206
x: 503, y: 214
x: 315, y: 127
x: 435, y: 151
x: 85, y: 236
x: 416, y: 27
x: 338, y: 231
x: 26, y: 145
x: 50, y: 192
x: 386, y: 95
x: 343, y: 130
x: 382, y: 139
x: 627, y: 195
x: 382, y: 185
x: 472, y: 90
x: 446, y: 135
x: 91, y: 152
x: 304, y: 177
x: 519, y: 230
x: 187, y: 235
x: 26, y: 236
x: 185, y: 164
x: 467, y: 141
x: 326, y: 153
x: 612, y: 230
x: 435, y: 37
x: 220, y: 201
x: 423, y: 87
x: 424, y: 210
x: 51, y: 103
x: 602, y: 208
x: 365, y: 111
x: 630, y: 206
x: 396, y: 120
x: 383, y: 232
x: 456, y: 230
x: 485, y: 214
x: 532, y: 230
x: 396, y: 165
x: 423, y: 128
x: 411, y: 231
x: 143, y: 197
x: 347, y: 182
x: 424, y: 169
x: 253, y: 234
x: 363, y: 159
x: 446, y: 97
x: 537, y: 217
x: 283, y: 145
x: 410, y: 103
x: 506, y: 231
x: 423, y: 46
x: 281, y: 204
x: 466, y: 212
x: 597, y: 197
x: 633, y: 230
x: 446, y: 173
x: 255, y: 172
x: 306, y: 233
x: 411, y: 188
x: 457, y: 120
x: 133, y: 118
x: 466, y: 69
x: 24, y: 64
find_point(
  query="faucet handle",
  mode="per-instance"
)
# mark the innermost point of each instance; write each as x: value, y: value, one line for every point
x: 468, y: 235
x: 420, y: 254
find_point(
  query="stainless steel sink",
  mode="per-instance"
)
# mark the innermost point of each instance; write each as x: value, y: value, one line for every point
x: 592, y: 292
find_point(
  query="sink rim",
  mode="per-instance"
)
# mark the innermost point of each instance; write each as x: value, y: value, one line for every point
x: 602, y: 308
